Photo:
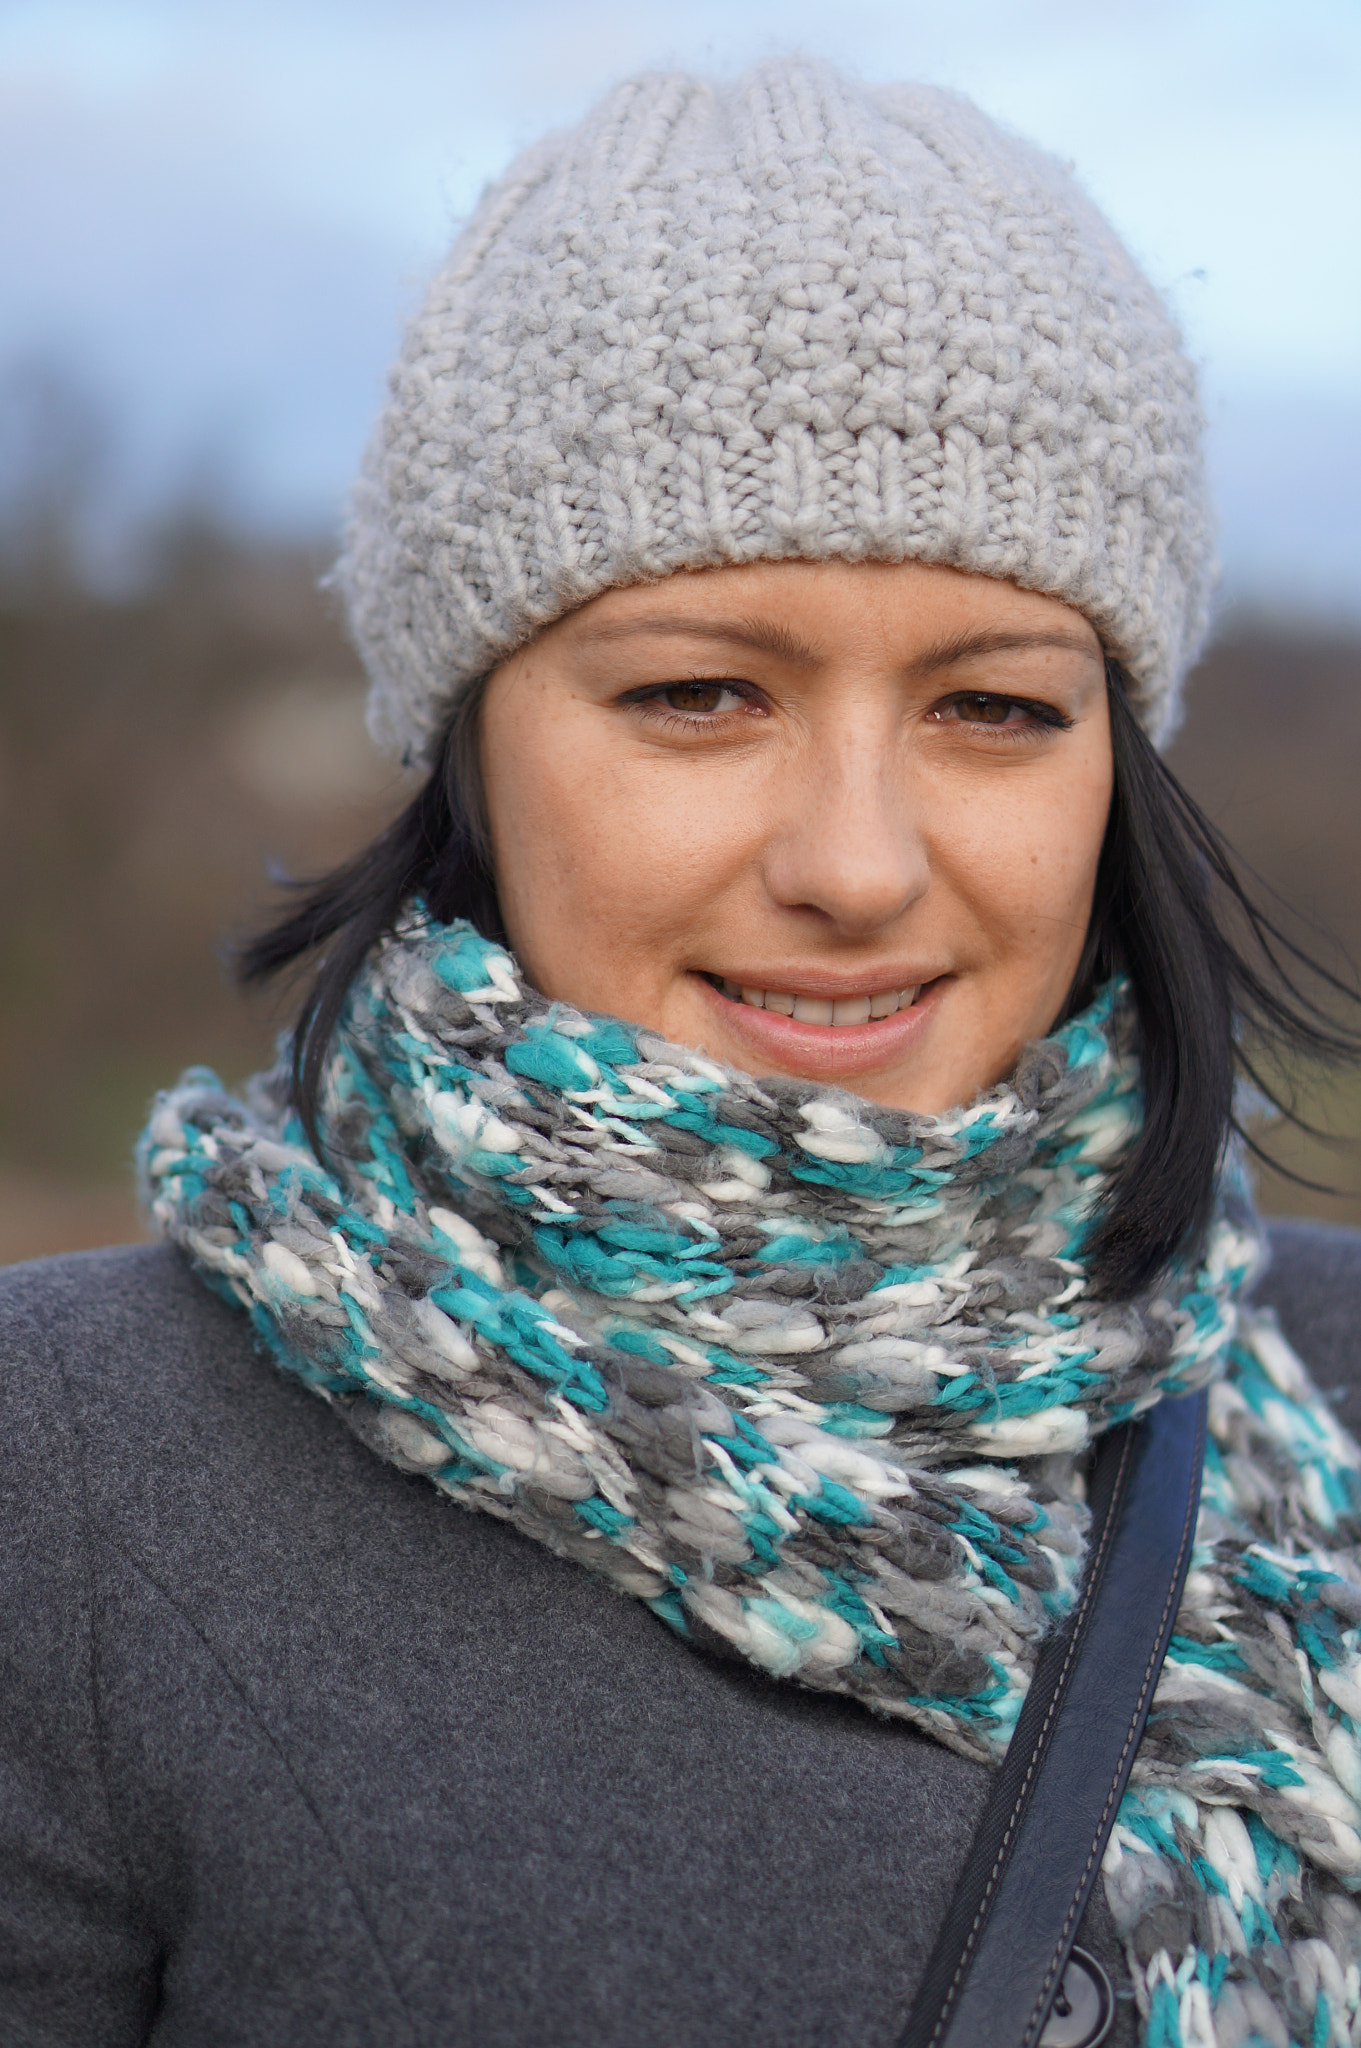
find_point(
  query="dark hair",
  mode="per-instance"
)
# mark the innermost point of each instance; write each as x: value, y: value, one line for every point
x: 1211, y: 974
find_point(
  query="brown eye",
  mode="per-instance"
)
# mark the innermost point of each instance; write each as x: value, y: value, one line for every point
x: 695, y: 697
x: 985, y: 710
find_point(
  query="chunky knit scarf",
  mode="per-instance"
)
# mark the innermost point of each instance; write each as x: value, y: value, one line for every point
x: 814, y: 1379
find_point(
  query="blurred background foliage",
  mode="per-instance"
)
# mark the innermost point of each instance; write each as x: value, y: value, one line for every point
x: 165, y: 752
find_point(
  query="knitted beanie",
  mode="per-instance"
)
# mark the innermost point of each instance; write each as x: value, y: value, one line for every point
x: 794, y: 316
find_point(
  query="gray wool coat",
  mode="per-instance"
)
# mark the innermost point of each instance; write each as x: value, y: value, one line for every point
x: 294, y: 1751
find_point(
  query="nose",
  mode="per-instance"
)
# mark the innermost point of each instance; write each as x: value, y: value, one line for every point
x: 850, y: 849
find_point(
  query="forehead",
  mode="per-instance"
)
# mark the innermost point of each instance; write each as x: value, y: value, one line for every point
x: 803, y: 612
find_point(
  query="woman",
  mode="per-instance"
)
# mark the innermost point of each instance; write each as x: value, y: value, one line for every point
x: 759, y: 1116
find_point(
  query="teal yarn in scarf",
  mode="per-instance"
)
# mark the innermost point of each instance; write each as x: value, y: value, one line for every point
x: 814, y: 1379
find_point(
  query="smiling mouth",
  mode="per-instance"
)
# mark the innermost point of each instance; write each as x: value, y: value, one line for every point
x: 840, y: 1011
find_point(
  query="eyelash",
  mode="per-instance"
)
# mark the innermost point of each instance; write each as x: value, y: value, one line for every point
x: 1045, y: 717
x: 650, y: 701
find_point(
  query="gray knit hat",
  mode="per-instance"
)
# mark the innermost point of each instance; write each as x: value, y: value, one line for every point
x: 795, y: 315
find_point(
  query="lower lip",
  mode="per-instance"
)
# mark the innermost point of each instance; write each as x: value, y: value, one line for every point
x: 824, y: 1052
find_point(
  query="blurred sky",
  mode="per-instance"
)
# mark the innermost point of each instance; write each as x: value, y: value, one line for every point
x: 217, y: 214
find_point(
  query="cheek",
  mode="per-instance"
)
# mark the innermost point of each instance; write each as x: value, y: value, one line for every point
x: 607, y: 861
x: 1018, y: 869
x: 1025, y: 862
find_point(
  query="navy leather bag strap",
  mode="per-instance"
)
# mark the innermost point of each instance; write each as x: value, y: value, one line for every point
x: 1002, y: 1953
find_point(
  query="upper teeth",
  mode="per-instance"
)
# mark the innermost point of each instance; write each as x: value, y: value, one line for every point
x: 823, y: 1009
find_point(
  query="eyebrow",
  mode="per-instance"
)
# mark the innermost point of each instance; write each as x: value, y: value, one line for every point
x: 771, y: 637
x: 765, y: 636
x: 964, y: 646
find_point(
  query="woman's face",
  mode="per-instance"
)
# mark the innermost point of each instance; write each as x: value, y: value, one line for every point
x: 833, y: 820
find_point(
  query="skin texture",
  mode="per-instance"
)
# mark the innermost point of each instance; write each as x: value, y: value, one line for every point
x: 824, y: 779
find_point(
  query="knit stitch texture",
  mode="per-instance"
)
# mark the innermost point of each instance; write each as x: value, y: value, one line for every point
x: 813, y: 1379
x: 792, y: 317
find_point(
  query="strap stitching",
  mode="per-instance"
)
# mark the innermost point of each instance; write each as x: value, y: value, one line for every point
x: 1151, y: 1674
x: 1093, y: 1575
